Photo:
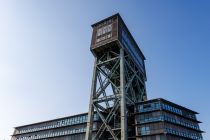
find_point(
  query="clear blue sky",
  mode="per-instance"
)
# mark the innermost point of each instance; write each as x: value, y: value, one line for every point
x: 46, y: 65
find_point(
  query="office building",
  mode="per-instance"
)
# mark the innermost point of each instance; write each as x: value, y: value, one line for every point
x: 160, y: 119
x: 156, y: 119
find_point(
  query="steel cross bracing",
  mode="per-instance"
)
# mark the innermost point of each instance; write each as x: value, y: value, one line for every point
x: 117, y: 83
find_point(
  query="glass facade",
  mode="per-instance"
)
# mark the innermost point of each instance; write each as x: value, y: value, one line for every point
x: 161, y: 105
x: 53, y: 134
x: 162, y: 117
x: 73, y: 128
x: 155, y: 137
x: 149, y: 117
x: 131, y: 47
x: 162, y: 127
x: 56, y: 124
x: 151, y: 128
x: 182, y: 132
x: 148, y: 107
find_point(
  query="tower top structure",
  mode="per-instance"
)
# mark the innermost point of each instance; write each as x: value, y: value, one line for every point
x: 113, y: 30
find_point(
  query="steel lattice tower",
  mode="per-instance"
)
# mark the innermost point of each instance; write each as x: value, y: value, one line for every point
x: 118, y: 81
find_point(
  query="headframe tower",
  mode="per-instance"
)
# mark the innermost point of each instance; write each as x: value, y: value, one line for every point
x: 118, y: 81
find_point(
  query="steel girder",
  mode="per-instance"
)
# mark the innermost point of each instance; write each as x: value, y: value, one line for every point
x: 117, y: 83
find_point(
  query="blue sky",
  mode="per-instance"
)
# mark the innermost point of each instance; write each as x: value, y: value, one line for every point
x: 46, y: 65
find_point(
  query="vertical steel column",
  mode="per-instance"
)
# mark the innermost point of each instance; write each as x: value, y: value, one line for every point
x: 91, y: 109
x: 122, y: 101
